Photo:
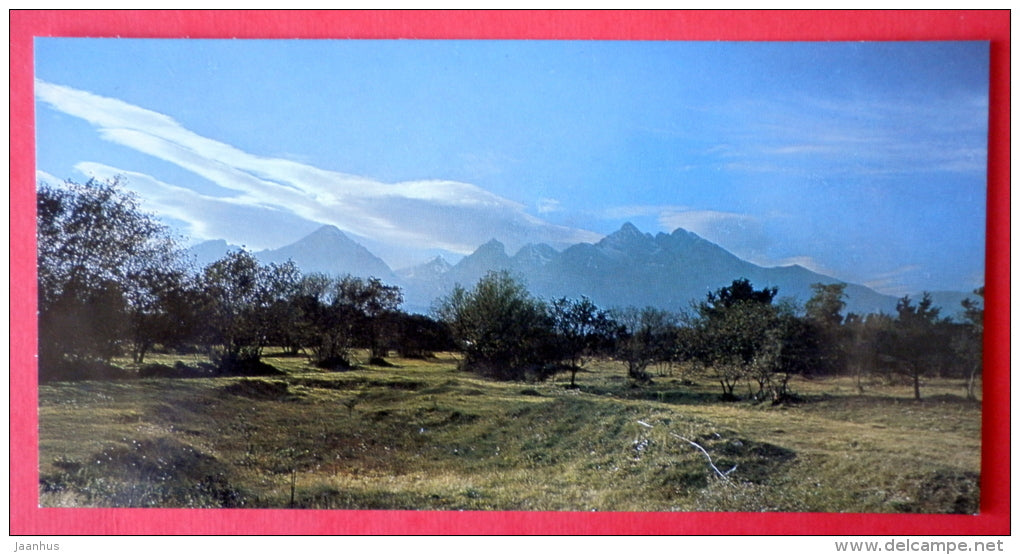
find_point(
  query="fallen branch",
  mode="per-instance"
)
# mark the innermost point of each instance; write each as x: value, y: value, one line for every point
x: 723, y: 475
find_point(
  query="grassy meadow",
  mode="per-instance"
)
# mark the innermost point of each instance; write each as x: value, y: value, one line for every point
x: 420, y: 434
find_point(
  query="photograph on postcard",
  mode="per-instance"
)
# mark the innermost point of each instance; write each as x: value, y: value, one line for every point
x: 511, y: 275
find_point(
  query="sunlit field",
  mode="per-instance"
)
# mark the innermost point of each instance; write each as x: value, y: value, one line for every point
x: 421, y: 434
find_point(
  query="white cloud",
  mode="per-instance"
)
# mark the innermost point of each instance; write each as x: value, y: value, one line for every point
x: 741, y: 234
x: 546, y: 205
x: 640, y: 210
x: 43, y: 177
x: 896, y: 281
x: 426, y: 214
x: 854, y: 136
x: 203, y: 217
x: 808, y: 262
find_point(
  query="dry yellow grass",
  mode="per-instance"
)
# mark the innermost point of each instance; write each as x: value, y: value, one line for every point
x: 422, y: 435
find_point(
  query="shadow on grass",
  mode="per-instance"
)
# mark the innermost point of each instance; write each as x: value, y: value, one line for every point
x: 681, y: 395
x: 671, y: 396
x: 359, y: 382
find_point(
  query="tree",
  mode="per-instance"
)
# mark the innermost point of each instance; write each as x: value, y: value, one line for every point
x: 918, y: 341
x: 644, y: 336
x: 502, y: 330
x: 968, y: 342
x: 164, y: 312
x: 826, y: 304
x: 823, y: 334
x: 421, y: 336
x: 792, y: 345
x: 371, y: 300
x: 332, y: 325
x: 244, y: 297
x: 100, y: 259
x: 321, y: 322
x: 862, y: 339
x: 739, y: 292
x: 582, y: 330
x: 737, y: 335
x: 333, y: 315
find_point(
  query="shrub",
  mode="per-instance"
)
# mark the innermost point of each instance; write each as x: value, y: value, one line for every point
x: 502, y: 330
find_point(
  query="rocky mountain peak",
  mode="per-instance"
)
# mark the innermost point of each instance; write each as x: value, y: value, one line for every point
x: 433, y: 269
x: 491, y: 246
x: 629, y: 239
x: 535, y: 254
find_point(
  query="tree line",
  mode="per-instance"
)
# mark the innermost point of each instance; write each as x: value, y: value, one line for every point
x: 737, y: 334
x: 113, y: 281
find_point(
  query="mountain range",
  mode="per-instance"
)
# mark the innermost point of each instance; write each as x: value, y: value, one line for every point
x: 625, y: 268
x: 327, y: 250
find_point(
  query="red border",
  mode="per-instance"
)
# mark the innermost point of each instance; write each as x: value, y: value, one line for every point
x: 26, y: 518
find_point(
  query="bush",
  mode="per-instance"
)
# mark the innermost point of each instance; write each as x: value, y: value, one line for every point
x: 228, y: 365
x: 81, y: 369
x: 334, y: 363
x: 504, y: 332
x: 157, y: 371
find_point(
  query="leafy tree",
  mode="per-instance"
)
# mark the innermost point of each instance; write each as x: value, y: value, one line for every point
x: 739, y: 292
x: 165, y: 312
x: 502, y: 330
x: 862, y: 339
x: 100, y: 258
x: 823, y: 337
x: 281, y: 316
x: 644, y: 336
x: 918, y: 341
x: 737, y: 335
x: 336, y: 325
x: 317, y: 322
x: 421, y: 336
x: 370, y: 300
x: 244, y: 297
x: 826, y: 304
x: 296, y: 329
x: 792, y: 345
x: 335, y: 314
x: 968, y: 342
x: 582, y: 330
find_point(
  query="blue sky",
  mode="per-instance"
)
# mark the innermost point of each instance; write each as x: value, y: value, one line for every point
x: 864, y: 161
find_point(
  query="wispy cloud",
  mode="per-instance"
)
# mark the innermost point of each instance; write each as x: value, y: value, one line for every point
x: 547, y: 205
x: 44, y: 177
x: 894, y: 282
x: 202, y: 216
x: 744, y: 235
x: 809, y: 262
x: 741, y: 234
x: 442, y: 214
x: 863, y: 137
x: 639, y: 210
